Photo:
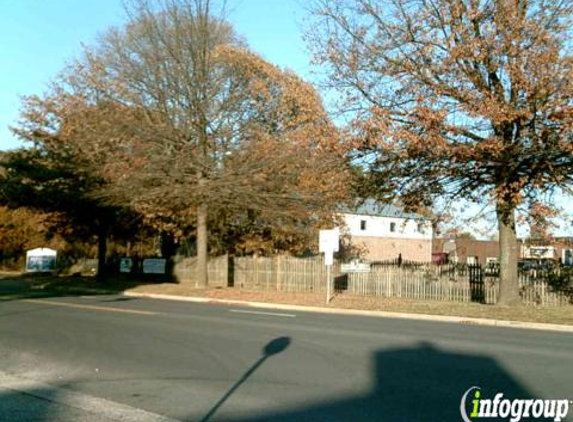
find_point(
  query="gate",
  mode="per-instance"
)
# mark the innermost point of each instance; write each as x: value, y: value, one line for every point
x: 477, y: 287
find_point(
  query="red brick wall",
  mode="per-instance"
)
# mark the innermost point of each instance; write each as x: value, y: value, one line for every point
x: 383, y: 249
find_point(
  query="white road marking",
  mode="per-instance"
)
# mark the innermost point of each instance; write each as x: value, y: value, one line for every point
x: 98, y: 406
x: 90, y: 307
x: 238, y: 311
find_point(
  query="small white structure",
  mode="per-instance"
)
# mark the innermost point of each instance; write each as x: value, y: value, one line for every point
x: 41, y: 260
x: 388, y: 232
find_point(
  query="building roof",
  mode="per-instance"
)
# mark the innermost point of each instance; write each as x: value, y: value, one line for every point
x: 374, y: 208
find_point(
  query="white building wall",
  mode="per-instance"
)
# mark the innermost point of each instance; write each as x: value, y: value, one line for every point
x: 381, y: 227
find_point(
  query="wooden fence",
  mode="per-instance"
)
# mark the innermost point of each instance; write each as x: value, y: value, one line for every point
x: 281, y: 273
x: 456, y: 283
x: 184, y: 271
x: 414, y: 281
x: 434, y: 282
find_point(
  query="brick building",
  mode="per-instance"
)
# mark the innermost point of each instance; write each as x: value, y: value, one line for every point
x: 386, y: 232
x: 471, y: 251
x: 467, y: 251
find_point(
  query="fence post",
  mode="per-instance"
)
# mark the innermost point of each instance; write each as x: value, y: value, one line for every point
x: 278, y: 273
x: 328, y: 282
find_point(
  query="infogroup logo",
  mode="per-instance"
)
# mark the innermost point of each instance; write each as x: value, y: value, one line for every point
x: 513, y: 409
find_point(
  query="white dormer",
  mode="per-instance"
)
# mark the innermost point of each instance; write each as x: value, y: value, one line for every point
x: 376, y: 220
x: 385, y: 232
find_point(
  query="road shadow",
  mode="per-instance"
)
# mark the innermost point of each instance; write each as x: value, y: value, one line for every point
x: 23, y: 401
x: 419, y: 384
x: 20, y: 407
x: 414, y: 384
x: 26, y: 286
x: 274, y: 347
x: 40, y: 404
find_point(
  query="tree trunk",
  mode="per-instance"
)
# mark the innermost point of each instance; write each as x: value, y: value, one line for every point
x: 508, y: 278
x: 201, y: 246
x: 101, y: 252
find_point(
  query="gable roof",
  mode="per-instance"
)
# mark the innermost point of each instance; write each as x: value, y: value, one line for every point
x: 374, y: 208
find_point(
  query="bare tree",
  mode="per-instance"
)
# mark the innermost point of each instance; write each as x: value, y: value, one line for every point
x: 465, y: 99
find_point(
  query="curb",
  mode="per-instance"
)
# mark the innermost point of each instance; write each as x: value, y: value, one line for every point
x: 380, y: 314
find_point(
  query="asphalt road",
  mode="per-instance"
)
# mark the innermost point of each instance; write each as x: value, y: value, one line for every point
x: 105, y: 358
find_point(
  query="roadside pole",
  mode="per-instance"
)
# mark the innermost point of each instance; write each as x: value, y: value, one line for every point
x: 328, y: 282
x: 328, y: 244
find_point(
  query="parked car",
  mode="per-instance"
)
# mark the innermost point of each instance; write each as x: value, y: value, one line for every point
x: 543, y: 265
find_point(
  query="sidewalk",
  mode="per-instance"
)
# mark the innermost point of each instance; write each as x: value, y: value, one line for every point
x: 23, y: 400
x: 22, y: 407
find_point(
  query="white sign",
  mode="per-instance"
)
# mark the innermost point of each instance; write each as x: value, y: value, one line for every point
x: 539, y: 252
x: 41, y: 260
x: 154, y: 266
x: 328, y: 240
x: 355, y: 267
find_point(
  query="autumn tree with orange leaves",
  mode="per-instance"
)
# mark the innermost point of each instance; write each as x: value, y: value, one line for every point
x: 461, y: 99
x: 185, y: 123
x: 20, y: 230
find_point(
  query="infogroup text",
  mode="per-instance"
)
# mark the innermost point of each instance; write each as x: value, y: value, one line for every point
x: 514, y: 410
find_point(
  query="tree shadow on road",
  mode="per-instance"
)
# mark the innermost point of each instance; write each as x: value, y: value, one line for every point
x: 26, y: 286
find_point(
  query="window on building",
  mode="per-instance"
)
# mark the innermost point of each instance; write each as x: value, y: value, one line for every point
x: 362, y: 224
x: 567, y: 258
x: 392, y: 227
x: 491, y: 266
x: 420, y: 228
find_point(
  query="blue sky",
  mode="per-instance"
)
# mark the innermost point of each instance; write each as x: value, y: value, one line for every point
x: 40, y: 36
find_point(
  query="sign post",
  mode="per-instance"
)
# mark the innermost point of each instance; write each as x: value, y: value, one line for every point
x: 328, y: 244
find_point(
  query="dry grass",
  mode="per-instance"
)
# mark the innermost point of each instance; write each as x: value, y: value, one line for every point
x: 54, y: 285
x: 552, y: 315
x: 9, y: 273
